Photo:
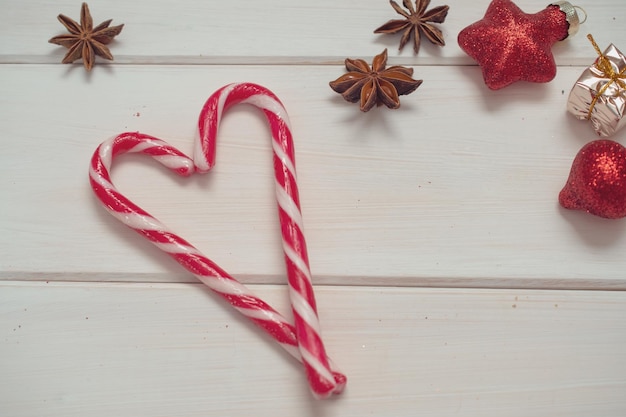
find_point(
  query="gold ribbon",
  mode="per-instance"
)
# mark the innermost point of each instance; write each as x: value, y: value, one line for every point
x: 604, y: 65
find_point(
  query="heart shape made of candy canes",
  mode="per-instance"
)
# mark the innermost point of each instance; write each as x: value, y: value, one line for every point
x: 302, y: 339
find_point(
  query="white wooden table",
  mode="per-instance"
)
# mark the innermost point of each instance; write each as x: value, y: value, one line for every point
x: 449, y: 281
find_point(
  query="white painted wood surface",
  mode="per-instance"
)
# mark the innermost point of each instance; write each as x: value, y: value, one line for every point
x: 268, y: 31
x: 169, y: 349
x: 456, y: 189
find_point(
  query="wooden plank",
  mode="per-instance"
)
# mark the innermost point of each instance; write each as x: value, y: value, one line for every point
x: 269, y: 31
x: 171, y: 349
x: 442, y: 192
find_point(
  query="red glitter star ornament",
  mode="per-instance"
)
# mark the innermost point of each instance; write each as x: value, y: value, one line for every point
x: 597, y: 181
x: 510, y: 45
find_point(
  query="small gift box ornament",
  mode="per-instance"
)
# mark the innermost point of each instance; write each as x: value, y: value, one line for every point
x: 599, y: 95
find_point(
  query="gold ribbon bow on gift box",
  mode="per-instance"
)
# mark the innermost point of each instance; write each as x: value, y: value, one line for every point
x: 604, y: 65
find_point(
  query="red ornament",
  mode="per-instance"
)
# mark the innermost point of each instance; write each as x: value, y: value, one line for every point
x: 597, y: 181
x: 510, y: 45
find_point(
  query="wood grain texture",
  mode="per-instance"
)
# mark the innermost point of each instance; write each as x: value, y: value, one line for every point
x: 456, y: 189
x: 162, y: 349
x: 391, y: 198
x: 269, y: 31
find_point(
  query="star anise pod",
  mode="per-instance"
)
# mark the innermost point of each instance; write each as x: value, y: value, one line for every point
x: 375, y: 85
x: 415, y: 22
x: 85, y: 41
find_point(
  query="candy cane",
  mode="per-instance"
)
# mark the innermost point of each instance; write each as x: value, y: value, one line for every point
x: 303, y: 341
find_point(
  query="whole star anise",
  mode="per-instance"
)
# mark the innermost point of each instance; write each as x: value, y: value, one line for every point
x: 375, y: 85
x: 85, y: 41
x: 416, y: 21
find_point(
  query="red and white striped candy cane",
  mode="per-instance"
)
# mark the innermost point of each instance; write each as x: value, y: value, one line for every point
x: 303, y: 340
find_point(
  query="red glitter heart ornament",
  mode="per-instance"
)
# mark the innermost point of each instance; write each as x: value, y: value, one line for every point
x: 597, y: 180
x: 510, y: 45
